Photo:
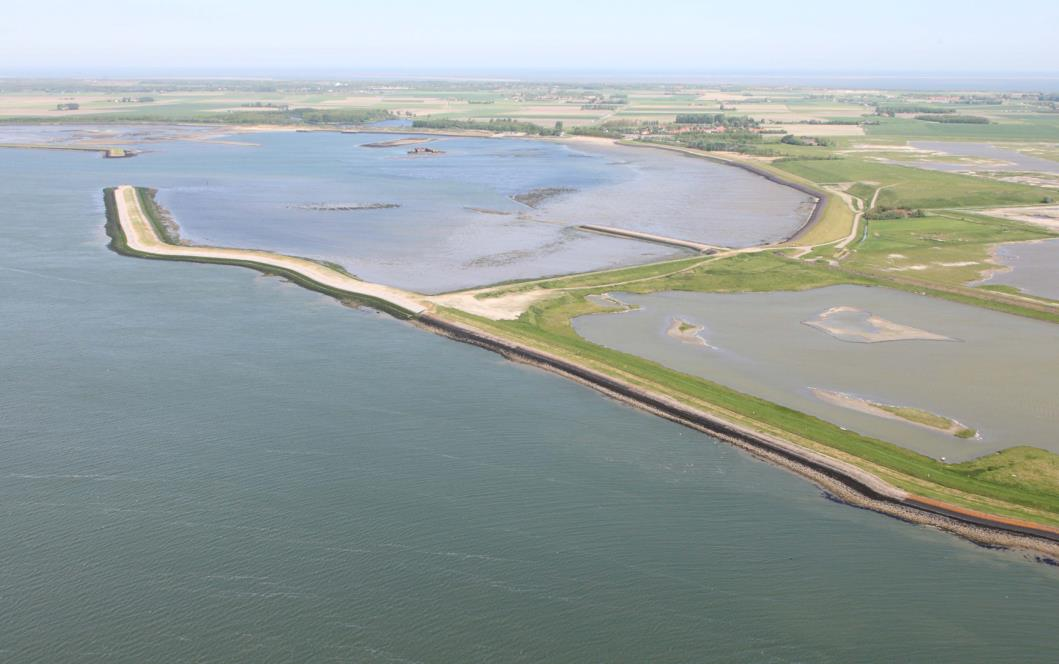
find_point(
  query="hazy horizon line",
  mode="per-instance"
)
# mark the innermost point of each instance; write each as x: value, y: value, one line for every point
x: 1009, y: 80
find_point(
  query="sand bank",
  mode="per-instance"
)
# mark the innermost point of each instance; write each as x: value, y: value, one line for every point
x: 687, y: 333
x: 859, y: 326
x: 913, y: 416
x: 397, y: 142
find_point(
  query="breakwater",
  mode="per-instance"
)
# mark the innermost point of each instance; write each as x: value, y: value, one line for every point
x: 650, y: 237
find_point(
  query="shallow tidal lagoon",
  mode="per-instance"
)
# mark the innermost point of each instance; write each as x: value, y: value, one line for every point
x: 982, y: 157
x: 991, y: 372
x: 1033, y: 267
x: 431, y: 222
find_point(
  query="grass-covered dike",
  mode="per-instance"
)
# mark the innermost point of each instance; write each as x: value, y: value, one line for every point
x: 1028, y: 488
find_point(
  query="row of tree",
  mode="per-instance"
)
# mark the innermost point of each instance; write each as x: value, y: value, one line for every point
x: 953, y: 119
x: 718, y: 120
x: 496, y: 125
x: 894, y: 108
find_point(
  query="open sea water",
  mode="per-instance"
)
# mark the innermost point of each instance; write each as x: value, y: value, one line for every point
x: 201, y: 464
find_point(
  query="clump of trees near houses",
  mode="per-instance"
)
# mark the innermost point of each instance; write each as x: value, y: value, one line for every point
x: 743, y: 142
x: 882, y: 213
x: 791, y: 139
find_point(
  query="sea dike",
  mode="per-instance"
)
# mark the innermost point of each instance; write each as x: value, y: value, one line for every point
x: 841, y: 480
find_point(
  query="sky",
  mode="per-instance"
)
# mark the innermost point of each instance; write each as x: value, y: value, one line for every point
x: 269, y: 37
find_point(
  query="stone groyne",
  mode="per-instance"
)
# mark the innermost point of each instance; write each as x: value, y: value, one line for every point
x: 650, y: 237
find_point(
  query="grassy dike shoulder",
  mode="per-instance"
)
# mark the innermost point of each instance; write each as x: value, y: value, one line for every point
x: 119, y: 243
x: 1027, y: 492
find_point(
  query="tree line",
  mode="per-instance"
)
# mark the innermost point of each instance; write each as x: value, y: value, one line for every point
x: 718, y: 120
x: 495, y: 125
x: 953, y: 119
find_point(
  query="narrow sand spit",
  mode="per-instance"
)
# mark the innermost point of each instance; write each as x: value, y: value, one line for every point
x: 140, y: 236
x: 608, y: 300
x: 859, y: 326
x: 397, y: 142
x: 862, y: 405
x: 880, y: 147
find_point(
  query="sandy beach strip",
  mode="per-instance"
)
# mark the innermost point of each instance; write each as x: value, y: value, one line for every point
x: 141, y: 237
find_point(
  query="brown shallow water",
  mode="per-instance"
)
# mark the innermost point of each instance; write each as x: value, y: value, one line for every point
x: 998, y: 376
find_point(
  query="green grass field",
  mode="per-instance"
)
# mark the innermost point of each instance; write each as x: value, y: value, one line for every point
x: 951, y: 249
x: 911, y: 187
x: 1021, y: 127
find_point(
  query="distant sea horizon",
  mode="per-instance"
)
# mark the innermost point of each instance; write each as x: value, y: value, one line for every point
x: 1000, y: 81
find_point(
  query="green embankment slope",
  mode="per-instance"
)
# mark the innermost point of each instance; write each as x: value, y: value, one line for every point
x: 547, y: 326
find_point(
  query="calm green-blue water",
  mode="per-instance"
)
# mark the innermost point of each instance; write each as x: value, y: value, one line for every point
x: 199, y: 464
